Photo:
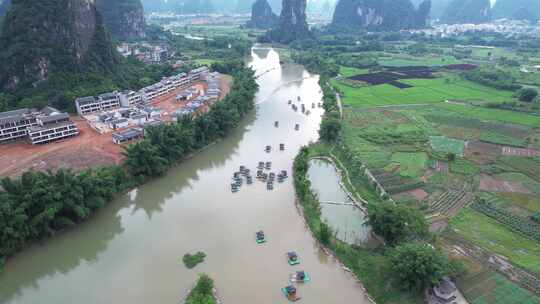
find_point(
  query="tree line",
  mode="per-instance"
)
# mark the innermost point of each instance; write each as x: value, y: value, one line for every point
x: 165, y: 145
x: 38, y: 205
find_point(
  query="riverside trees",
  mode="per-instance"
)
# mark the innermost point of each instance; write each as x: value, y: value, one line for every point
x: 39, y: 204
x: 167, y: 144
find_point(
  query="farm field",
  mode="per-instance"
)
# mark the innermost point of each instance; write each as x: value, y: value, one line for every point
x: 493, y: 114
x: 401, y: 60
x: 492, y: 288
x: 423, y: 91
x: 349, y: 71
x: 493, y: 236
x: 447, y: 145
x: 411, y: 164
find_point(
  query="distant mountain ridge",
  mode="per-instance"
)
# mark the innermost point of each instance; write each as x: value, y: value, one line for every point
x: 517, y: 9
x: 292, y: 24
x: 381, y: 14
x: 468, y: 11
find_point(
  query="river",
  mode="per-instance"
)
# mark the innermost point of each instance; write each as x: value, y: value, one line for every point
x: 131, y: 251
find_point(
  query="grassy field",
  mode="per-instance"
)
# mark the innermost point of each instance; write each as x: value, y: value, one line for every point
x: 349, y: 71
x: 410, y: 164
x: 495, y: 138
x: 425, y: 91
x: 404, y: 60
x: 207, y: 62
x: 489, y: 234
x: 493, y: 114
x: 447, y: 145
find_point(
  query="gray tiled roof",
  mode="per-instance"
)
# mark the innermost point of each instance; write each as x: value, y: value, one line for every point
x: 81, y: 101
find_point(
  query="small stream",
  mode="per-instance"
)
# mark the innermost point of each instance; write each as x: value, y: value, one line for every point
x: 348, y: 222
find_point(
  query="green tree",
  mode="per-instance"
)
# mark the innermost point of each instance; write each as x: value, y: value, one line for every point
x: 330, y: 128
x: 418, y: 266
x: 397, y: 223
x: 144, y: 160
x: 325, y: 233
x: 527, y: 94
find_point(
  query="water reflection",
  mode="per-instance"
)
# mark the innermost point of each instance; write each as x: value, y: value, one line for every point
x: 24, y: 272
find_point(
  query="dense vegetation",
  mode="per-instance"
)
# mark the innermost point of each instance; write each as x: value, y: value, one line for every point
x: 192, y: 260
x: 397, y: 223
x: 494, y: 78
x: 43, y: 39
x: 38, y: 205
x: 203, y: 292
x: 419, y: 266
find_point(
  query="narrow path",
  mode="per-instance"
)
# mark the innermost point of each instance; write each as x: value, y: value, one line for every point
x: 340, y: 107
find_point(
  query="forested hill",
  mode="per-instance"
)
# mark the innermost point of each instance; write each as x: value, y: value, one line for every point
x: 468, y: 11
x: 381, y: 14
x: 124, y: 19
x: 42, y: 38
x: 517, y: 9
x: 205, y: 6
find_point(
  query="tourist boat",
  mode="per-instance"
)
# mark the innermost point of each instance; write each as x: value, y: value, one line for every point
x: 268, y: 148
x: 300, y: 277
x: 260, y: 238
x: 290, y: 293
x: 293, y: 258
x: 268, y: 165
x: 282, y: 147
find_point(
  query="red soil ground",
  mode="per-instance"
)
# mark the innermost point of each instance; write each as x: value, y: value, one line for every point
x: 88, y: 149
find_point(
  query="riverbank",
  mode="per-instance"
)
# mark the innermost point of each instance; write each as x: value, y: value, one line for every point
x: 370, y: 266
x: 79, y: 195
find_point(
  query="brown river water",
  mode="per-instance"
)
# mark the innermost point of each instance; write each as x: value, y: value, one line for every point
x: 131, y: 251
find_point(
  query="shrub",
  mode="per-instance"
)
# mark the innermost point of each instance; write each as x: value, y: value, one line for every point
x: 527, y: 94
x: 193, y: 260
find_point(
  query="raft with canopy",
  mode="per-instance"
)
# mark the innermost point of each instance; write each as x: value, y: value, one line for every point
x: 260, y: 237
x: 300, y: 277
x: 293, y: 258
x: 290, y: 293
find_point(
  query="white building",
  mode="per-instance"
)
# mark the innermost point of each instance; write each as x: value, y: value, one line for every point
x: 43, y: 126
x: 130, y: 98
x: 14, y: 124
x: 104, y: 102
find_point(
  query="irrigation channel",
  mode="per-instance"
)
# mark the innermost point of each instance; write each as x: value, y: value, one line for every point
x: 131, y: 251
